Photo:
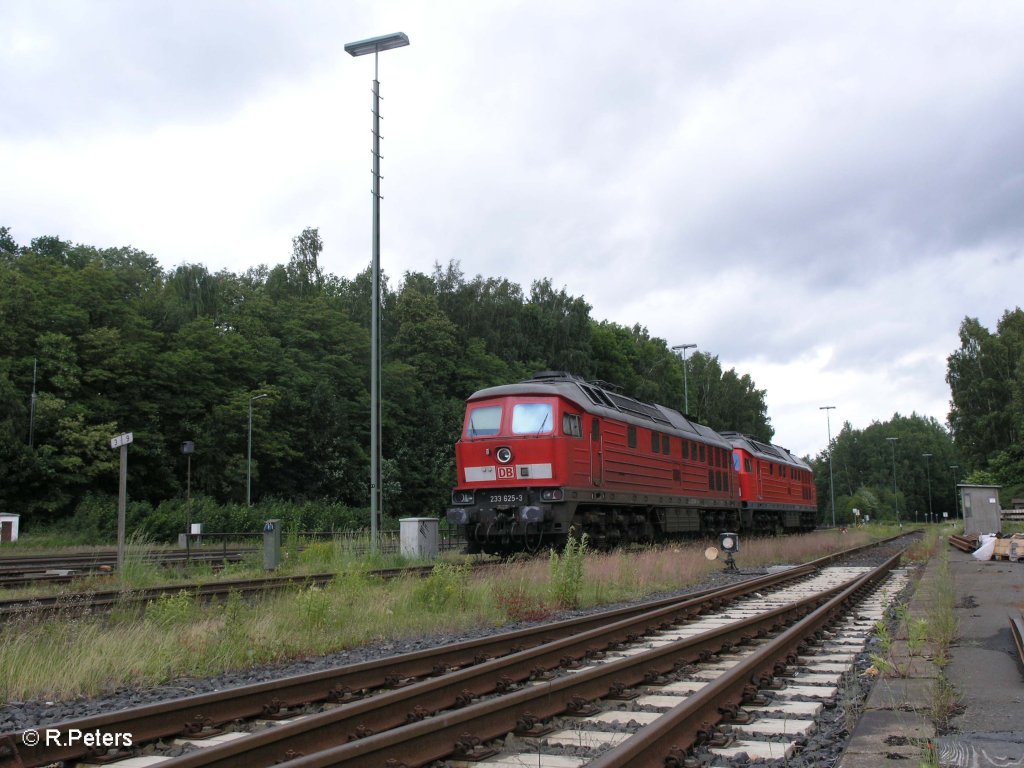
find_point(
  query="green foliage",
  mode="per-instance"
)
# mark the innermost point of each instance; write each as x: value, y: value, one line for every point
x: 314, y: 606
x: 180, y: 355
x: 863, y: 462
x: 986, y: 380
x: 566, y: 572
x: 170, y: 610
x: 444, y: 588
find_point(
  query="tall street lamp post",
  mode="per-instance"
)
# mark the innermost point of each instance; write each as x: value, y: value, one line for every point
x: 375, y: 45
x: 831, y: 487
x: 248, y: 461
x: 956, y: 495
x: 895, y: 497
x: 686, y: 386
x: 928, y: 474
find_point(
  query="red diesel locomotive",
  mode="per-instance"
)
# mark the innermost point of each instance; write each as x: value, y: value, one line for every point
x: 556, y: 453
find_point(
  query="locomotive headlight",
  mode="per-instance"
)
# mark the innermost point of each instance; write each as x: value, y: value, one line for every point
x: 503, y: 455
x: 462, y: 497
x: 551, y: 494
x: 729, y: 542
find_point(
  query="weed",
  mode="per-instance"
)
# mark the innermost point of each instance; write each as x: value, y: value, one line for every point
x: 852, y: 700
x: 917, y: 636
x: 945, y: 702
x: 169, y: 610
x: 517, y: 604
x: 567, y: 572
x: 313, y: 606
x: 444, y: 587
x: 929, y: 756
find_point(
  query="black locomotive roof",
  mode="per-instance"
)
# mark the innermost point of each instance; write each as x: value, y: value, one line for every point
x: 764, y: 450
x: 598, y: 397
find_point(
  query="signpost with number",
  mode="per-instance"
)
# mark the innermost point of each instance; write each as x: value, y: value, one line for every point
x: 121, y: 441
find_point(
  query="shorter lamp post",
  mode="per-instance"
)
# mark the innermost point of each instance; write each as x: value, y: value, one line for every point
x: 895, y: 496
x: 248, y: 462
x: 686, y: 386
x: 928, y: 473
x: 831, y: 487
x: 956, y: 494
x: 188, y: 448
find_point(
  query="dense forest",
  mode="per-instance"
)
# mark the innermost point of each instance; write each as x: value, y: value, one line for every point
x: 98, y: 341
x: 918, y: 471
x: 94, y: 342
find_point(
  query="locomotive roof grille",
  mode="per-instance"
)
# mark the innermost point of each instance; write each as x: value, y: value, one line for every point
x: 596, y: 396
x: 630, y: 405
x: 601, y: 393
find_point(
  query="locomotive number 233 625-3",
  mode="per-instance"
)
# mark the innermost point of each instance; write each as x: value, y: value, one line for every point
x: 506, y: 498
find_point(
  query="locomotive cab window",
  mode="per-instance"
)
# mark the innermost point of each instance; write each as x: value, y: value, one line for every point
x: 572, y: 425
x: 595, y: 429
x: 483, y: 421
x: 532, y: 418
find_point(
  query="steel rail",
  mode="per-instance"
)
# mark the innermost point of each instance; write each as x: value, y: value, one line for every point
x: 964, y: 543
x: 457, y: 732
x: 395, y: 708
x: 1017, y: 630
x: 107, y: 598
x: 105, y: 558
x: 181, y: 716
x: 175, y: 717
x: 684, y: 725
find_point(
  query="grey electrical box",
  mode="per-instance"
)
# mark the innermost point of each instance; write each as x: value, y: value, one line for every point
x: 271, y: 544
x: 982, y: 513
x: 418, y: 536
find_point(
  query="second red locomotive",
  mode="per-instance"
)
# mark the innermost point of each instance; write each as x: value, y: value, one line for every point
x: 555, y: 454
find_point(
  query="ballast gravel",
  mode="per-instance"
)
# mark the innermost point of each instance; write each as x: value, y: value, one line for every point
x: 823, y: 748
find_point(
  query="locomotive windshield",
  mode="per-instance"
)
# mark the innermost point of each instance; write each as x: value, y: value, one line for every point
x: 484, y: 421
x: 532, y: 418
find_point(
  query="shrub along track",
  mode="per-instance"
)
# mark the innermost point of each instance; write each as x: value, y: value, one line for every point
x: 481, y: 687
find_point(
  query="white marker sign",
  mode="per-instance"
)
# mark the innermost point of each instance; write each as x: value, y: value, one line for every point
x: 125, y: 439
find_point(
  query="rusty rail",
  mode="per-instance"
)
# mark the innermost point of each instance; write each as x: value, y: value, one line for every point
x: 458, y: 732
x: 1017, y: 630
x: 189, y: 714
x: 193, y: 713
x: 964, y: 543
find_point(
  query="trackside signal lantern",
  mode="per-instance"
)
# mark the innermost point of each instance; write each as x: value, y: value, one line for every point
x: 730, y: 544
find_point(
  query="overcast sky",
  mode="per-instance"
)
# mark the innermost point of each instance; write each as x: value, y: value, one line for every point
x: 817, y: 192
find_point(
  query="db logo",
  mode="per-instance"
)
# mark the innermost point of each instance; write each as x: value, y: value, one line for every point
x: 506, y: 473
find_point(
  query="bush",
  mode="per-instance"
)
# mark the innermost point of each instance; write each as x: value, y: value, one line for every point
x: 94, y: 520
x: 445, y: 586
x: 567, y: 572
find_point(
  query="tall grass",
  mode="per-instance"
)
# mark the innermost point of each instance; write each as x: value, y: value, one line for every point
x: 176, y: 636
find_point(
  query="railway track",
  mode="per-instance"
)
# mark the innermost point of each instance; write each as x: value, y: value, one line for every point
x: 78, y: 602
x: 702, y: 651
x: 21, y: 571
